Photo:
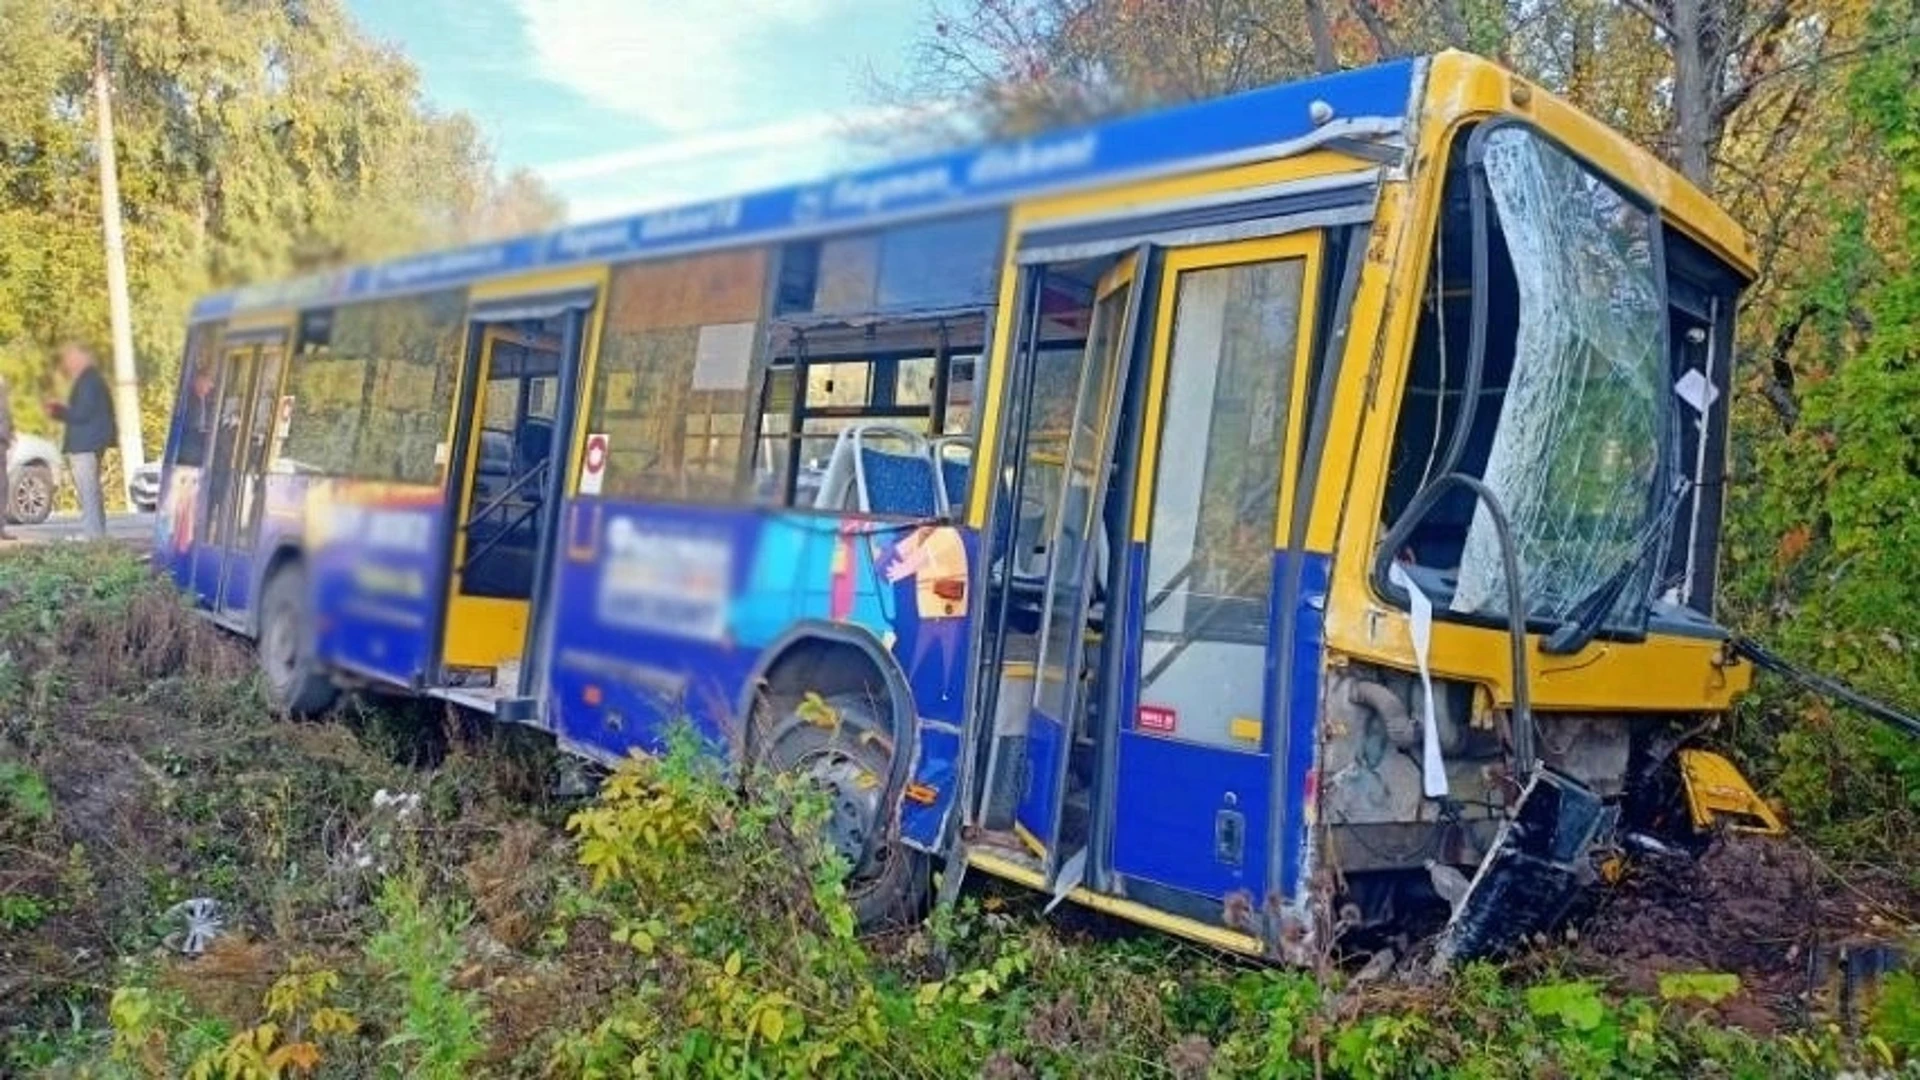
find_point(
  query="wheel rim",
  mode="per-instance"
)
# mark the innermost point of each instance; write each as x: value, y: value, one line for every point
x: 853, y: 798
x: 202, y: 920
x: 30, y: 498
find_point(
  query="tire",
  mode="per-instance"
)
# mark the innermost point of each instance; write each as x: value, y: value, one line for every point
x: 31, y: 499
x: 890, y: 887
x: 296, y: 682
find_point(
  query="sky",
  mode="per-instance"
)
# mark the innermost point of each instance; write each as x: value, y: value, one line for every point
x: 624, y: 105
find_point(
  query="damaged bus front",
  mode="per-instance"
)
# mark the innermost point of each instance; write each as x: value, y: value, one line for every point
x: 1520, y: 635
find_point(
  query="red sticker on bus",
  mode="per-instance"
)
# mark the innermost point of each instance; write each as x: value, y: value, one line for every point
x: 1158, y: 719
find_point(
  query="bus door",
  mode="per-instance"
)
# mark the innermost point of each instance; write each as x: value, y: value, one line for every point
x: 1073, y: 419
x: 1143, y: 762
x: 243, y: 424
x: 1210, y: 621
x: 514, y: 426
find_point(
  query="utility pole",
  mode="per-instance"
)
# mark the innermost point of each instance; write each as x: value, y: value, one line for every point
x: 126, y: 377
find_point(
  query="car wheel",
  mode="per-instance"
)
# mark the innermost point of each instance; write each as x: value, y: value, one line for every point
x: 31, y: 500
x: 296, y: 681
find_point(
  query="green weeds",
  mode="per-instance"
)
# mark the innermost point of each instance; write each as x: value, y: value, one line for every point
x: 404, y: 899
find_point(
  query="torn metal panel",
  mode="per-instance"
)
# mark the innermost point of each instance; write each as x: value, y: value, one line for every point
x: 1539, y: 862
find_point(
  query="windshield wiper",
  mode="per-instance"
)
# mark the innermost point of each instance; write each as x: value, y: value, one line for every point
x: 1586, y: 616
x: 1589, y: 613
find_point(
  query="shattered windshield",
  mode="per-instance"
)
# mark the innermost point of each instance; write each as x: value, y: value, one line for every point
x: 1576, y: 458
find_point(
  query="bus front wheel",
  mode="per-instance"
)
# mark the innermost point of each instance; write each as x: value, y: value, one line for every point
x: 289, y: 659
x: 841, y: 750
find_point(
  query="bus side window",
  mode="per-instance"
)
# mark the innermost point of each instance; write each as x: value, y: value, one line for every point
x: 193, y: 419
x: 675, y: 375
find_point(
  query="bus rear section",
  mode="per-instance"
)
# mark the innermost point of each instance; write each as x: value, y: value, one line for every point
x: 232, y: 494
x: 367, y: 487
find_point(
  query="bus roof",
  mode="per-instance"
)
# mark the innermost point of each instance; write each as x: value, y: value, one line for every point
x: 1256, y: 124
x: 1221, y: 131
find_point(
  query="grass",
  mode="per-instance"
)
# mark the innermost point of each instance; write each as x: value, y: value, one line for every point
x: 403, y: 898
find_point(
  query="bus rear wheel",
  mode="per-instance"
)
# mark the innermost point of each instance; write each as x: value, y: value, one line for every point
x: 289, y: 660
x: 848, y: 760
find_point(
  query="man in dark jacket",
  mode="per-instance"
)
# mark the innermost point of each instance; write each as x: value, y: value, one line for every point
x: 88, y: 415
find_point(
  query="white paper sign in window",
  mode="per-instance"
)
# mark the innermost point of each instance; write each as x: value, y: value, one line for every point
x: 723, y: 359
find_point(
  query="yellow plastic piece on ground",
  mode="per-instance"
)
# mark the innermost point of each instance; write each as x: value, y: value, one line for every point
x: 1716, y: 790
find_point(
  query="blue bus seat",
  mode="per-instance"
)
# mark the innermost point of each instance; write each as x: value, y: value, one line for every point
x: 902, y: 485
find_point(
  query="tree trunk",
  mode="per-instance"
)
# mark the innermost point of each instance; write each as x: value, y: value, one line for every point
x: 1693, y: 91
x: 1321, y: 31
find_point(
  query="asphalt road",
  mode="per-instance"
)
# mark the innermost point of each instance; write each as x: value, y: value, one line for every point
x: 119, y: 527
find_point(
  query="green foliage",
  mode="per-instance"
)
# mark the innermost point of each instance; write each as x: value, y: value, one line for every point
x: 441, y: 1027
x: 255, y: 140
x: 1896, y: 1015
x: 1710, y: 987
x: 1824, y: 555
x: 23, y: 795
x: 735, y: 910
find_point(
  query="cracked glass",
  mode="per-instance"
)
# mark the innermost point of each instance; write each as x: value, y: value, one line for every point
x: 1578, y: 452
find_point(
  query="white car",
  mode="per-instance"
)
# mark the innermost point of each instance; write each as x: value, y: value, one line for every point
x: 146, y: 487
x: 33, y: 475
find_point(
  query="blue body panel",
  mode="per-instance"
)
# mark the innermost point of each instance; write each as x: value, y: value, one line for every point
x: 1188, y: 137
x: 666, y: 613
x: 176, y: 524
x: 181, y: 552
x: 1046, y: 743
x: 1170, y: 792
x: 378, y: 573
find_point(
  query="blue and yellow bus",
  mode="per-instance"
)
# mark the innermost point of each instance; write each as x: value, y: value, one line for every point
x: 1245, y: 518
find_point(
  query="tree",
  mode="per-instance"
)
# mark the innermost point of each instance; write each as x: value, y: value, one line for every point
x: 257, y: 138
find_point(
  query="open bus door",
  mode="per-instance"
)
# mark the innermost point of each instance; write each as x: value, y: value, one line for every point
x: 512, y: 433
x: 242, y: 442
x: 1145, y: 724
x: 1047, y: 816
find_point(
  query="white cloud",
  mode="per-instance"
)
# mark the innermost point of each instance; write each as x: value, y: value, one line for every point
x: 686, y: 149
x: 681, y: 66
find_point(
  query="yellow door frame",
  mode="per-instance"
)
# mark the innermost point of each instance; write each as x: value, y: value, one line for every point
x: 483, y: 632
x: 1305, y: 246
x: 1308, y: 246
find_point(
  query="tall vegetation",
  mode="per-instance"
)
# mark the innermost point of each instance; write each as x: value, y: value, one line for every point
x: 256, y: 138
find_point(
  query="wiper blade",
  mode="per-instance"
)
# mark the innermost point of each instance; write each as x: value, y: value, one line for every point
x: 1589, y: 613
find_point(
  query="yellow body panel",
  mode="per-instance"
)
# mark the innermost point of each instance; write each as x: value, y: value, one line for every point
x: 1461, y: 87
x: 484, y: 631
x: 1662, y: 673
x: 1716, y: 791
x: 1193, y: 930
x: 255, y: 322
